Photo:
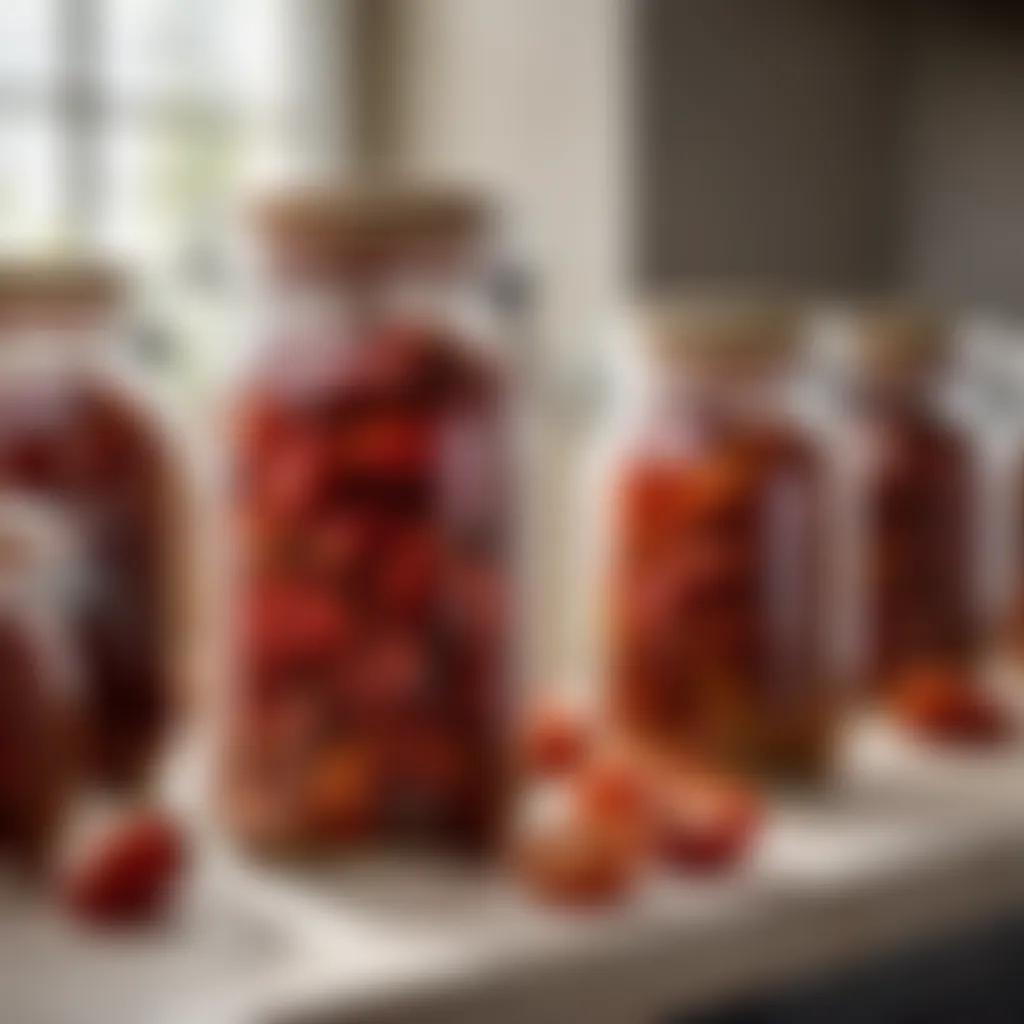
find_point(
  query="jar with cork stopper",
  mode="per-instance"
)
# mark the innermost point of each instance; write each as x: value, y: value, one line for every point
x: 712, y: 631
x: 81, y: 430
x: 374, y: 496
x: 912, y: 596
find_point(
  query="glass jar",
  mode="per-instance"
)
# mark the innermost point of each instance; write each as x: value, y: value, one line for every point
x: 40, y: 700
x: 77, y: 430
x: 373, y: 496
x: 713, y: 633
x: 912, y: 592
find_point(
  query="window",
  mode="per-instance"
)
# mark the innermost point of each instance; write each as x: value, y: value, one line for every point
x: 128, y: 123
x: 129, y: 126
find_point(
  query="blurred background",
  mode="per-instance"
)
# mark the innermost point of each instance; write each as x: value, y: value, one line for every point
x: 840, y: 147
x: 834, y: 147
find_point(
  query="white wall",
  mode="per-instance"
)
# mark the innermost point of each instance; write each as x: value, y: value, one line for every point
x: 529, y: 97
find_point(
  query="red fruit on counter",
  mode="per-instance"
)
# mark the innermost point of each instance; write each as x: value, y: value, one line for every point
x: 944, y: 706
x: 555, y: 740
x: 131, y: 875
x: 702, y: 824
x: 614, y: 787
x: 566, y: 857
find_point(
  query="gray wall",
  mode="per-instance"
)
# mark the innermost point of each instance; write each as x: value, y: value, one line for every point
x: 844, y: 145
x: 962, y: 197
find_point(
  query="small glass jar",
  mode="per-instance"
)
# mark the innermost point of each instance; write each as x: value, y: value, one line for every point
x: 374, y: 503
x: 78, y: 430
x: 713, y: 634
x: 912, y: 600
x: 40, y: 698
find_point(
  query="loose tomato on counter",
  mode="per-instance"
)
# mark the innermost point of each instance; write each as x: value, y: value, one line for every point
x: 704, y: 824
x: 567, y: 856
x: 130, y: 874
x: 586, y: 837
x: 939, y: 705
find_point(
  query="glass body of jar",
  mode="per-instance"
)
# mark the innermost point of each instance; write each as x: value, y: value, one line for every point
x: 1013, y: 634
x: 373, y: 521
x: 76, y: 430
x: 912, y: 595
x: 713, y: 621
x: 40, y: 699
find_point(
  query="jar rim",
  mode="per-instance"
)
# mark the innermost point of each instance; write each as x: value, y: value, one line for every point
x: 722, y: 330
x: 370, y: 212
x: 894, y: 341
x: 63, y: 282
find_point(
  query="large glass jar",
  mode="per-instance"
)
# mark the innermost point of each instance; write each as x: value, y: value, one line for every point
x: 373, y: 499
x: 40, y: 705
x: 912, y: 479
x: 713, y: 630
x: 78, y: 430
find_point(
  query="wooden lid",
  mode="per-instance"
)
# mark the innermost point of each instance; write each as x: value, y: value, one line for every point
x: 722, y: 330
x: 369, y: 214
x: 897, y: 340
x: 37, y: 286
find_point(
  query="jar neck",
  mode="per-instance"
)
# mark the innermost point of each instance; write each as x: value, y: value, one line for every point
x: 910, y: 397
x: 718, y: 401
x: 444, y: 293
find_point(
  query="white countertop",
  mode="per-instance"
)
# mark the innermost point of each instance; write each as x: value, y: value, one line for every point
x: 906, y: 844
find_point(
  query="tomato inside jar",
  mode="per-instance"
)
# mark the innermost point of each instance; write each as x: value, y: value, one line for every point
x: 372, y: 488
x: 715, y: 637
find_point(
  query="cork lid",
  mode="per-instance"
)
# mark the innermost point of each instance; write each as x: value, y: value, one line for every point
x: 359, y: 214
x: 897, y: 340
x: 722, y: 330
x: 38, y: 287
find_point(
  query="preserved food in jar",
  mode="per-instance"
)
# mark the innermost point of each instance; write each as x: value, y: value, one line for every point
x: 39, y: 698
x: 75, y: 431
x: 715, y: 638
x: 914, y: 603
x: 372, y: 492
